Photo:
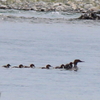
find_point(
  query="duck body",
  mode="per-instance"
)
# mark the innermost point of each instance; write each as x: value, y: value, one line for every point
x: 20, y: 66
x: 6, y: 66
x: 60, y: 67
x: 68, y: 66
x: 47, y: 67
x: 31, y: 66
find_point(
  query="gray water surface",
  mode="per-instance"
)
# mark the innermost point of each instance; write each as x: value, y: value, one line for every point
x: 55, y: 44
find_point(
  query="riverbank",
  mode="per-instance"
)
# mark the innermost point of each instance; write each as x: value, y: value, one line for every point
x: 45, y: 6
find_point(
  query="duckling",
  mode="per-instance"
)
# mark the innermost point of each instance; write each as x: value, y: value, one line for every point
x: 31, y: 66
x: 6, y: 66
x: 68, y: 66
x: 20, y: 66
x: 47, y: 67
x: 60, y: 67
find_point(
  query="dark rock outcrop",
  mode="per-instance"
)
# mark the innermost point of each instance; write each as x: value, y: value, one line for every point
x: 91, y: 16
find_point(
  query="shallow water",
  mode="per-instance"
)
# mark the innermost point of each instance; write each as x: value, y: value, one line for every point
x: 32, y: 13
x: 55, y: 44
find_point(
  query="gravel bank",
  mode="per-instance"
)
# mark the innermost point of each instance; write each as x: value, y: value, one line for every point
x: 64, y: 5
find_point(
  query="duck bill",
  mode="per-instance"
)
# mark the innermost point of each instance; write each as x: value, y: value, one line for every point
x: 81, y: 61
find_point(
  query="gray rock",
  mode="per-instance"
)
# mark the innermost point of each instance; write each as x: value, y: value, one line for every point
x: 3, y: 7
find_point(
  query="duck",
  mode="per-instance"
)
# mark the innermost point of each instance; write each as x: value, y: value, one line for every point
x: 76, y: 61
x: 20, y: 66
x: 6, y: 66
x: 60, y: 67
x: 68, y: 66
x: 31, y: 66
x: 47, y: 66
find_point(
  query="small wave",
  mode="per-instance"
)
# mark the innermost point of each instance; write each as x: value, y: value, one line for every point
x: 31, y: 19
x: 13, y: 18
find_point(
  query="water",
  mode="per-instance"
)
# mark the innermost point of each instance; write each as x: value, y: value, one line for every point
x: 53, y: 43
x: 55, y: 14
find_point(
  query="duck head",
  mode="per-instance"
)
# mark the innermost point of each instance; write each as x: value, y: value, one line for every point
x: 20, y: 66
x: 62, y: 66
x: 77, y: 61
x: 32, y: 65
x: 47, y: 66
x: 71, y: 63
x: 8, y: 65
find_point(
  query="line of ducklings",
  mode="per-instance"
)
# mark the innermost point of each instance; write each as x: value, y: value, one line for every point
x: 69, y: 66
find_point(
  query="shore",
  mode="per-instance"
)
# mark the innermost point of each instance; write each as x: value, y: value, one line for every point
x: 45, y: 6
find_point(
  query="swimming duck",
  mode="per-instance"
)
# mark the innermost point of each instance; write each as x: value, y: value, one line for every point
x: 6, y: 66
x: 60, y: 67
x: 20, y: 66
x: 76, y: 61
x: 68, y: 66
x: 31, y: 66
x: 47, y: 67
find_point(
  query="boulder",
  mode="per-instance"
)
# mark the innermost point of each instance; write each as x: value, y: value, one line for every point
x: 88, y: 6
x: 62, y: 7
x: 3, y: 7
x: 92, y: 16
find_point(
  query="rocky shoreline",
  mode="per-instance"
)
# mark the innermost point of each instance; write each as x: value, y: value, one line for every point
x: 90, y: 10
x: 90, y: 16
x: 45, y: 6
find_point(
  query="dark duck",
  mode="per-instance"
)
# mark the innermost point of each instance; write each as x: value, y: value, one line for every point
x: 20, y: 66
x: 31, y: 66
x: 68, y: 66
x: 47, y: 67
x: 60, y: 67
x: 76, y: 61
x: 6, y: 66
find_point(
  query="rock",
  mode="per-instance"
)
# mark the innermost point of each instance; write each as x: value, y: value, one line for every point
x: 3, y: 0
x: 74, y: 6
x: 3, y: 7
x: 40, y: 4
x: 42, y: 9
x: 57, y: 4
x: 92, y: 16
x: 88, y: 6
x: 98, y: 12
x: 93, y: 8
x: 62, y: 7
x: 18, y: 1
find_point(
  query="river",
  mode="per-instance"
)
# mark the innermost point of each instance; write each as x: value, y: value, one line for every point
x: 50, y: 39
